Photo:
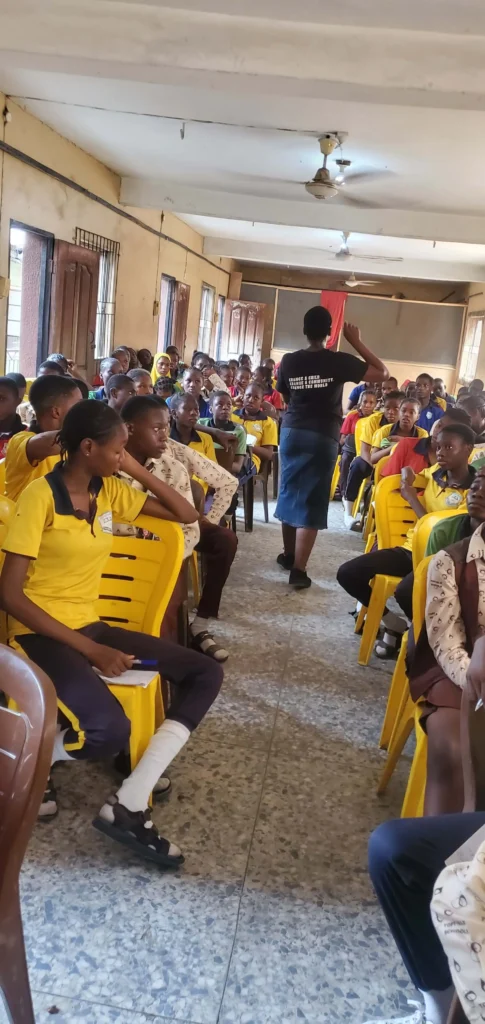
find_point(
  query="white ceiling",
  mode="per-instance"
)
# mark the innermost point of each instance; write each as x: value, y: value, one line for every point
x: 253, y: 94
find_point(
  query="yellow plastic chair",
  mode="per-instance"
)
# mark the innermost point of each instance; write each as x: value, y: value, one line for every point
x: 335, y: 479
x: 422, y: 532
x: 359, y: 429
x: 7, y: 509
x: 407, y: 718
x: 369, y: 529
x: 397, y: 692
x: 2, y: 476
x: 136, y: 586
x: 394, y: 517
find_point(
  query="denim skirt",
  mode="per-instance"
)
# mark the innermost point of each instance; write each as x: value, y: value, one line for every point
x: 307, y: 462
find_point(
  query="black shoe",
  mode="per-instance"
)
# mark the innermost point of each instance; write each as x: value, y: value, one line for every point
x: 286, y: 561
x: 299, y: 579
x: 48, y: 808
x: 136, y: 830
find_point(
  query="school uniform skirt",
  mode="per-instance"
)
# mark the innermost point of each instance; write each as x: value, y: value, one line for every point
x: 307, y: 462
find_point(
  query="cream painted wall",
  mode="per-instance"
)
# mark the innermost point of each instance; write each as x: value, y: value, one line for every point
x: 476, y: 304
x: 34, y: 198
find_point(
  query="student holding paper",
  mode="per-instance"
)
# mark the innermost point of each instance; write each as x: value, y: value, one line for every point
x: 56, y: 550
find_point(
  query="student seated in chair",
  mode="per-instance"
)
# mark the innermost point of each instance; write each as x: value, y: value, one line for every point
x: 119, y: 389
x: 406, y: 858
x: 149, y: 443
x: 107, y: 368
x: 420, y: 453
x: 439, y: 662
x: 64, y: 520
x: 33, y: 453
x: 221, y: 420
x: 142, y: 380
x: 361, y: 467
x: 365, y: 407
x: 445, y: 487
x: 405, y: 426
x: 257, y: 424
x: 10, y: 422
x: 192, y: 384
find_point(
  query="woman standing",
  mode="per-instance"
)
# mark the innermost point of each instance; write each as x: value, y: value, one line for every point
x: 311, y: 381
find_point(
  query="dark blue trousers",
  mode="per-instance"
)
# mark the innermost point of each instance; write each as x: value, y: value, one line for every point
x: 405, y: 859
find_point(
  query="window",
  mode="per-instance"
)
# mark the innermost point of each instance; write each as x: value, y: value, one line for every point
x: 29, y: 298
x: 221, y: 302
x: 165, y: 323
x: 108, y: 273
x: 206, y: 318
x: 471, y: 348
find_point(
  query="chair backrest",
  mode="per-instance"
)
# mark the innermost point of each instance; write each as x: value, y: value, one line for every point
x: 139, y: 577
x: 394, y: 516
x: 2, y: 475
x: 379, y: 466
x: 26, y: 743
x: 359, y: 427
x: 422, y: 532
x: 419, y: 594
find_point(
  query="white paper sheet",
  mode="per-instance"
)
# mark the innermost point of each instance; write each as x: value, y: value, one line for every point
x: 132, y: 677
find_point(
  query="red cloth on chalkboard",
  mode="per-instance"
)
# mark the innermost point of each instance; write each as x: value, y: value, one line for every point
x: 335, y: 303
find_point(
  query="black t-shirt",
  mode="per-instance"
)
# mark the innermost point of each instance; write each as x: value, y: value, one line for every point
x: 314, y: 382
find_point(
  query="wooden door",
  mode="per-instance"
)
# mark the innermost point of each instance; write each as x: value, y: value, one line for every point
x: 74, y: 303
x: 180, y: 314
x: 242, y: 330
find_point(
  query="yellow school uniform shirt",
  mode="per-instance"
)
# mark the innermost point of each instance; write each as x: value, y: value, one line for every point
x: 383, y: 433
x: 18, y: 470
x: 68, y: 554
x: 264, y: 430
x: 441, y: 402
x: 437, y: 496
x: 370, y: 425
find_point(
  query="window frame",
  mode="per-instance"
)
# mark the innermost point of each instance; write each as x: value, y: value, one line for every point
x: 206, y: 318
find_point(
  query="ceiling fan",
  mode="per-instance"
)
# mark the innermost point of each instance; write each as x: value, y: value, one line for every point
x: 344, y: 253
x: 353, y: 282
x: 323, y: 186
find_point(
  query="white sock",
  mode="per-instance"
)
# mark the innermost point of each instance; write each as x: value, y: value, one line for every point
x: 437, y: 1005
x: 59, y: 752
x: 199, y: 625
x: 163, y: 747
x: 394, y: 622
x: 348, y: 506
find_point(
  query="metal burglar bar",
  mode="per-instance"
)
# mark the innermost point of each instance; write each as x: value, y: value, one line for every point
x: 108, y: 272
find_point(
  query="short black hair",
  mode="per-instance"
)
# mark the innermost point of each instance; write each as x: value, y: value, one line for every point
x: 89, y: 418
x: 140, y: 405
x: 57, y: 357
x: 458, y: 415
x: 164, y: 384
x: 119, y: 348
x: 137, y: 373
x: 425, y: 376
x: 474, y: 402
x: 107, y: 362
x: 52, y: 364
x: 395, y: 394
x: 477, y: 381
x: 182, y: 396
x: 46, y: 391
x: 18, y: 378
x: 254, y: 384
x: 11, y: 386
x: 466, y: 433
x: 367, y: 391
x: 390, y: 378
x: 172, y: 350
x: 410, y: 399
x: 219, y: 394
x: 83, y: 387
x: 193, y: 369
x: 118, y: 380
x: 317, y: 323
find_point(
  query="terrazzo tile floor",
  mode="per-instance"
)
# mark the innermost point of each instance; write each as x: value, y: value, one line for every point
x: 272, y: 920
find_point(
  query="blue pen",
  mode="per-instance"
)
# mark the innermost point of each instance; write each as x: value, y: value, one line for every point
x: 142, y: 663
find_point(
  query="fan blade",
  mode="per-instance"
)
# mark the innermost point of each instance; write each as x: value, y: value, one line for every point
x: 356, y: 284
x: 346, y: 199
x: 382, y: 259
x: 367, y: 174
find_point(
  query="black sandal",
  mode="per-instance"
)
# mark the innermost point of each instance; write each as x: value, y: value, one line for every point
x: 204, y: 643
x: 136, y: 830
